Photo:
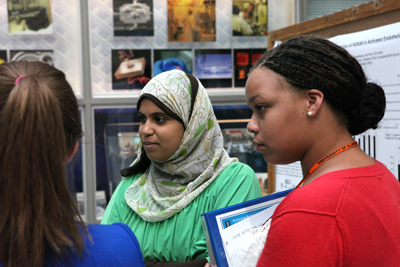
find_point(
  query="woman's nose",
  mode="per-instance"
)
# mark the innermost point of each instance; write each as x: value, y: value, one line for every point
x: 252, y: 126
x: 146, y: 128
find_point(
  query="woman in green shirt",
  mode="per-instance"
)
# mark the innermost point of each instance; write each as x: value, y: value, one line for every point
x: 181, y: 171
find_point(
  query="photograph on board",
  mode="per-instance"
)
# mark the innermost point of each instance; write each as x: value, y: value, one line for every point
x: 3, y: 56
x: 131, y: 68
x: 243, y: 61
x: 29, y: 17
x: 133, y: 18
x: 46, y: 56
x: 213, y: 67
x: 170, y: 59
x: 249, y: 17
x: 191, y: 21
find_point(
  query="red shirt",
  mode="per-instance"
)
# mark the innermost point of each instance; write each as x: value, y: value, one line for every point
x: 344, y: 218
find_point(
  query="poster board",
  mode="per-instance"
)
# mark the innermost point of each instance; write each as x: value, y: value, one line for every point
x: 117, y: 35
x: 359, y: 18
x: 45, y: 30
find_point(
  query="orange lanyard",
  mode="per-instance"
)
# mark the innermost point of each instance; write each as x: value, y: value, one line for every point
x: 322, y: 161
x: 326, y: 158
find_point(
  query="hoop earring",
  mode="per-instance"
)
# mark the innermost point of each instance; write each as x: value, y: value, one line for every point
x: 309, y: 113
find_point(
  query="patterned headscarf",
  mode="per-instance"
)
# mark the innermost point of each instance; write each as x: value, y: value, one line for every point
x: 165, y: 188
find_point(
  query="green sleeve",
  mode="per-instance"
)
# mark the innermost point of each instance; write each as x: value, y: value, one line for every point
x: 117, y: 206
x: 236, y: 184
x: 241, y: 184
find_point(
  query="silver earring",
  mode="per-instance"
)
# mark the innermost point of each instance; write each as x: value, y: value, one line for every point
x: 309, y: 113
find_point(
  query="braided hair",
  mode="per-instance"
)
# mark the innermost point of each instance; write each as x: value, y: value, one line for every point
x: 311, y: 62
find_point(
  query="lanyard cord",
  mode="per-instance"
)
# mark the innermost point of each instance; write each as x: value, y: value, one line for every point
x: 326, y: 158
x: 322, y: 161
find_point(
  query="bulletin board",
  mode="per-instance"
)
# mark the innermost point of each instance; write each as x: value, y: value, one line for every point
x: 113, y: 50
x: 355, y: 19
x: 47, y: 31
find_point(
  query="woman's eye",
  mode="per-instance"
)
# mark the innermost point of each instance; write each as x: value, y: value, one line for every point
x: 160, y: 119
x: 260, y: 108
x: 142, y: 119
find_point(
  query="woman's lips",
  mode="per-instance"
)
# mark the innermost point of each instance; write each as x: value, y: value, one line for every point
x: 149, y: 145
x: 258, y: 146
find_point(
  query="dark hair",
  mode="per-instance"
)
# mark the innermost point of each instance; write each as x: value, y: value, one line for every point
x: 311, y: 62
x: 40, y: 124
x: 250, y: 13
x: 158, y: 103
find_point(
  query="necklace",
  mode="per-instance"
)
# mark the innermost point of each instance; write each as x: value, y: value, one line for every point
x: 326, y: 158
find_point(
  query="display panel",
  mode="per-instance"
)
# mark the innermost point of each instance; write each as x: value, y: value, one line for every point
x: 213, y: 34
x: 46, y: 56
x: 74, y: 171
x: 75, y: 182
x: 131, y: 68
x: 29, y: 17
x: 3, y: 56
x: 244, y: 59
x: 117, y: 141
x: 249, y: 17
x: 113, y: 128
x: 191, y: 21
x: 133, y: 18
x: 170, y: 59
x: 48, y: 31
x: 213, y: 67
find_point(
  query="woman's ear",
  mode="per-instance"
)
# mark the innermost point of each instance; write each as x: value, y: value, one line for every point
x: 72, y: 151
x: 315, y: 98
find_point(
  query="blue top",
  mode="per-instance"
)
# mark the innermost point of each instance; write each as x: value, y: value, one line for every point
x: 113, y: 245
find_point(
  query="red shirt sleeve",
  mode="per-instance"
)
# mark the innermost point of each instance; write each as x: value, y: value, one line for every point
x: 303, y: 239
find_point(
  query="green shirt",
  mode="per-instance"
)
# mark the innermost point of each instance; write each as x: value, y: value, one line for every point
x: 181, y: 238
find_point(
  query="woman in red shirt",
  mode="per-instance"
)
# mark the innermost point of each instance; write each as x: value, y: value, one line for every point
x: 309, y: 98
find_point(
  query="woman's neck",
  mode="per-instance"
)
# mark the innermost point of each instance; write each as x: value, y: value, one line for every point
x: 351, y: 158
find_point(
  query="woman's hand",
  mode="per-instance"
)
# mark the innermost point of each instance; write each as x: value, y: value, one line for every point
x: 207, y: 265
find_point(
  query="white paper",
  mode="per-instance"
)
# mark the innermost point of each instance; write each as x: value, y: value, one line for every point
x: 378, y: 51
x: 248, y: 249
x: 235, y: 232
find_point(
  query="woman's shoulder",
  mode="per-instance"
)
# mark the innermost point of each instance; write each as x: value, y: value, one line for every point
x: 237, y: 174
x: 132, y: 177
x: 128, y: 180
x: 120, y: 231
x: 109, y: 245
x: 114, y: 245
x: 323, y: 195
x: 238, y: 167
x: 235, y: 184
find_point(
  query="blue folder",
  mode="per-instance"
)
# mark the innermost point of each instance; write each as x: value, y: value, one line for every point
x: 211, y: 230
